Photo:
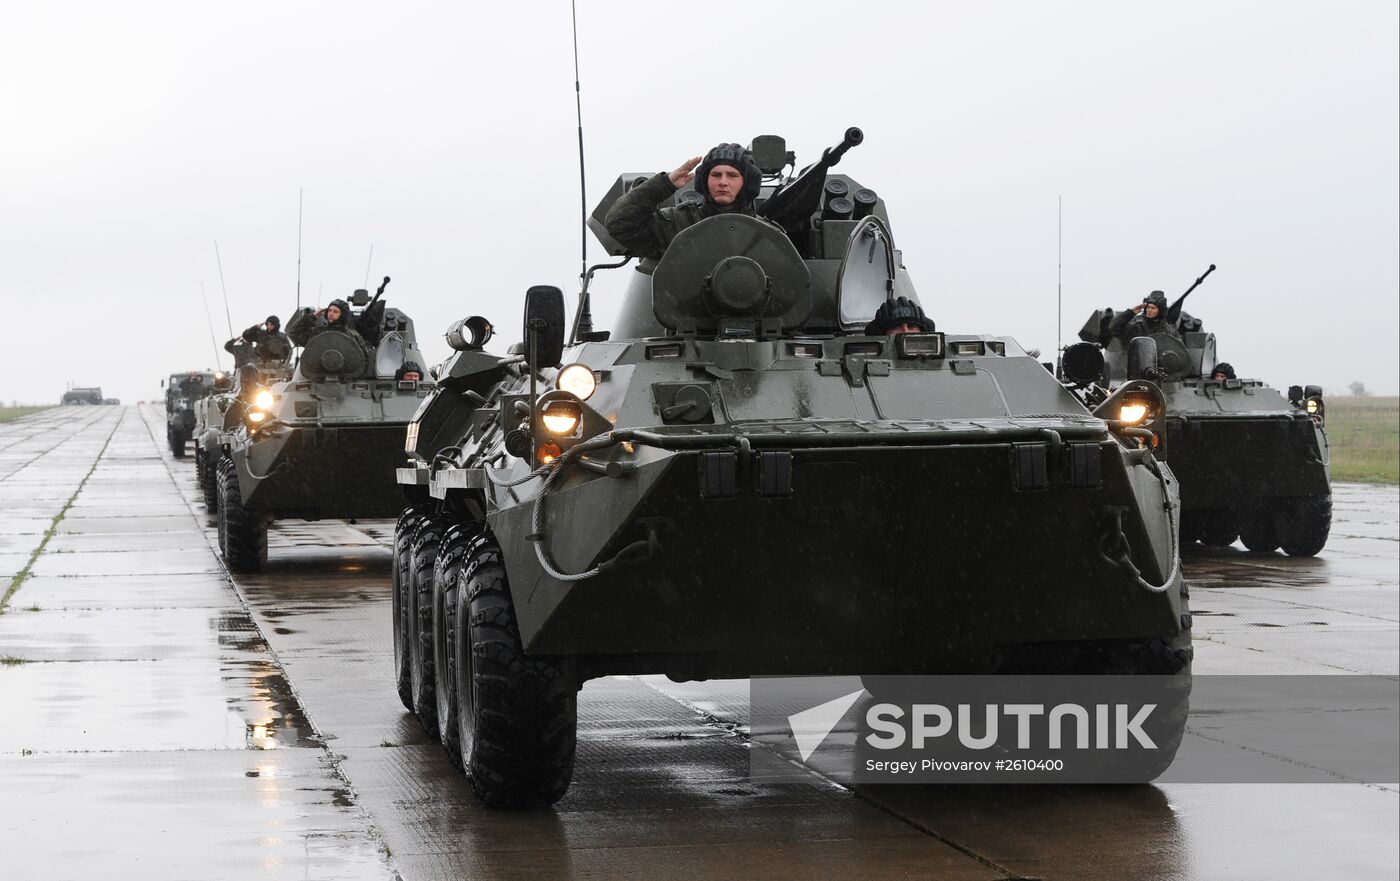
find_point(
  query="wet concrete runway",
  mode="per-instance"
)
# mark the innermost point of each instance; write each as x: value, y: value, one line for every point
x: 165, y: 720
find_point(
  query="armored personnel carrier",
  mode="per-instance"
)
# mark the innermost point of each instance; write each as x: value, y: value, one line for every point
x: 322, y: 440
x: 184, y: 395
x: 738, y: 480
x: 1253, y: 463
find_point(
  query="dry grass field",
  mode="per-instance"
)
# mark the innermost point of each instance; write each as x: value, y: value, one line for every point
x: 1365, y: 437
x: 9, y: 414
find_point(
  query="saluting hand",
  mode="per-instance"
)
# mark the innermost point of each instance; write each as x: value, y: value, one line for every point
x: 685, y: 174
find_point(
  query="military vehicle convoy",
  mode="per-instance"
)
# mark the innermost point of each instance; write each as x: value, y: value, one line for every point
x: 738, y: 481
x: 1253, y: 463
x: 322, y: 440
x: 184, y: 393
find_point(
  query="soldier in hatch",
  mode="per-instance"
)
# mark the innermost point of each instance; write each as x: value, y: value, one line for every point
x: 307, y: 324
x: 269, y: 343
x: 1145, y: 319
x: 728, y: 181
x: 896, y: 316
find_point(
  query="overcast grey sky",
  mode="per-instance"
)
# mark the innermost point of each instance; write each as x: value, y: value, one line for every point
x: 1260, y: 136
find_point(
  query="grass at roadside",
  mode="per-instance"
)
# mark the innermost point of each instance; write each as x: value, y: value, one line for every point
x: 10, y: 414
x: 1365, y: 437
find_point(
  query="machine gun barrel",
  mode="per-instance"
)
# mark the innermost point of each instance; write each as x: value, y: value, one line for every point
x: 1174, y: 310
x: 379, y: 293
x: 791, y: 205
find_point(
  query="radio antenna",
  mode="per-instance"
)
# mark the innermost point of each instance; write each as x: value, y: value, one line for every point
x: 213, y: 340
x: 220, y: 261
x: 369, y: 263
x: 584, y: 324
x: 1059, y: 281
x: 299, y: 193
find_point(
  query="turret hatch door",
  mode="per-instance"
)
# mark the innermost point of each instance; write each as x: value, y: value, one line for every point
x: 867, y: 274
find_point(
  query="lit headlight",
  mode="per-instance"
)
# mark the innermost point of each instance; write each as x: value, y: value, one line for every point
x: 578, y: 380
x: 1313, y: 405
x: 1132, y: 414
x: 560, y: 417
x: 256, y: 416
x: 263, y: 400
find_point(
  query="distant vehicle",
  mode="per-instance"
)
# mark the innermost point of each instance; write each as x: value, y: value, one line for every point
x: 1253, y: 463
x: 741, y: 480
x: 183, y: 392
x: 83, y: 396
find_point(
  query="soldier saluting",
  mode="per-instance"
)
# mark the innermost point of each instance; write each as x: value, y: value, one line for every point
x: 1145, y: 319
x: 729, y: 182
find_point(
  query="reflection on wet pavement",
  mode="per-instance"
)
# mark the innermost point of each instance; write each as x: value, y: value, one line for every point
x: 150, y: 727
x: 188, y: 696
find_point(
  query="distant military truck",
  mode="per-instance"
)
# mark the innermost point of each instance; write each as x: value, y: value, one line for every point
x: 82, y: 396
x: 183, y: 392
x: 1253, y: 463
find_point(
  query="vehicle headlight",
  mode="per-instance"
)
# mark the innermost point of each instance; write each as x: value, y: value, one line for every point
x: 1313, y: 406
x: 1132, y: 413
x: 256, y: 416
x: 578, y: 380
x: 561, y: 417
x: 263, y: 400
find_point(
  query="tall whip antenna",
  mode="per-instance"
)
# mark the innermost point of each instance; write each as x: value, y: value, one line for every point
x: 369, y: 263
x: 1059, y: 280
x: 299, y: 192
x: 585, y: 320
x: 220, y: 261
x: 213, y: 340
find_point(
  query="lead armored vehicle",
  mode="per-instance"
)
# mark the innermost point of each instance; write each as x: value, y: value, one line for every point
x: 323, y: 440
x: 184, y: 396
x: 1253, y: 462
x: 737, y: 480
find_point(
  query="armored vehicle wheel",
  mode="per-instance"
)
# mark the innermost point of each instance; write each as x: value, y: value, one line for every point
x: 423, y: 554
x: 209, y: 480
x: 176, y: 439
x: 1305, y: 531
x: 1217, y: 529
x: 242, y: 531
x: 409, y: 521
x: 517, y: 716
x: 1258, y: 533
x: 446, y: 571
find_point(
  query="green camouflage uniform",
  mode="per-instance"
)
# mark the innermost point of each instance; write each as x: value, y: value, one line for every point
x: 647, y: 231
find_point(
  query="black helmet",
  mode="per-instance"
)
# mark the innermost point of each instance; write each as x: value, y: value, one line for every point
x: 274, y: 321
x: 344, y: 310
x: 1158, y: 299
x: 900, y: 310
x: 1225, y: 368
x: 408, y: 367
x: 736, y: 156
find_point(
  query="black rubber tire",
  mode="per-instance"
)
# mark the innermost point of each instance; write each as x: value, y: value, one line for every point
x: 1159, y: 657
x: 1190, y: 527
x: 1217, y: 529
x: 447, y: 569
x: 517, y: 715
x: 409, y: 521
x: 1258, y: 533
x: 207, y: 472
x: 242, y: 531
x: 1305, y: 532
x: 423, y: 553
